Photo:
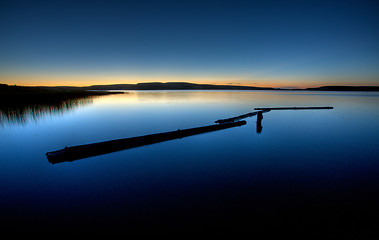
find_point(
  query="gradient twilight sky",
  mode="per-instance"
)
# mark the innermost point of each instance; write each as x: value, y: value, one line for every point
x: 260, y: 43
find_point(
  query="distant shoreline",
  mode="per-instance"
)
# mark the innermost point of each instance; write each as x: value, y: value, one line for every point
x: 100, y: 89
x: 193, y: 86
x: 345, y: 88
x: 34, y: 95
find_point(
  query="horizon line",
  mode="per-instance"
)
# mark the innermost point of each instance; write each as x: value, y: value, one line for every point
x: 212, y: 84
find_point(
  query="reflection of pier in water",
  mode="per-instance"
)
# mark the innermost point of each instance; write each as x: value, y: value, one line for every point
x: 24, y: 111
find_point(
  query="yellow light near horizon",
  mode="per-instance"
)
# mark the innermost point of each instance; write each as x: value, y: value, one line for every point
x: 81, y: 80
x: 87, y: 80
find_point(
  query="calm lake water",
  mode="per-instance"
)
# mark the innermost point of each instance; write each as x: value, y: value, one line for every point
x: 306, y: 169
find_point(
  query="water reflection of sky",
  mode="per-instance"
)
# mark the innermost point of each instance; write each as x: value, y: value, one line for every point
x: 302, y: 161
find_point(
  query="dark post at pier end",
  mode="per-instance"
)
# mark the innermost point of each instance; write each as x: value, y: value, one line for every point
x: 259, y: 122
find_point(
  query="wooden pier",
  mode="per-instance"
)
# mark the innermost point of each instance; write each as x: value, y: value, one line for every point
x: 94, y: 149
x: 292, y: 108
x: 233, y: 119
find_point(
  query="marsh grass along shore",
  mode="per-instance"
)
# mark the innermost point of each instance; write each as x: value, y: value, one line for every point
x: 21, y: 93
x: 19, y: 104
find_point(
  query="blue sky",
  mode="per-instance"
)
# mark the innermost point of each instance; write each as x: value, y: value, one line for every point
x: 263, y: 43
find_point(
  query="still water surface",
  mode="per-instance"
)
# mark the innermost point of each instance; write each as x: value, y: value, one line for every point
x: 306, y: 169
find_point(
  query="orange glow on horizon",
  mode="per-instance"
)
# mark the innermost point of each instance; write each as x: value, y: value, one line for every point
x: 87, y: 80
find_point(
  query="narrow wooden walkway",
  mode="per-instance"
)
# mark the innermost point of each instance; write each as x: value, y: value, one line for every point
x: 94, y: 149
x: 291, y: 108
x: 233, y: 119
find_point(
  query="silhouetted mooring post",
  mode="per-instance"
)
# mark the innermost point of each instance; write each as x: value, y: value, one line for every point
x: 259, y: 122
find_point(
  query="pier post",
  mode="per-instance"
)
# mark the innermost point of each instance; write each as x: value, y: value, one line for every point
x: 259, y: 122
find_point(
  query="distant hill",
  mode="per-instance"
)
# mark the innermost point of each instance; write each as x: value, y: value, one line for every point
x: 173, y: 86
x: 193, y: 86
x: 345, y: 88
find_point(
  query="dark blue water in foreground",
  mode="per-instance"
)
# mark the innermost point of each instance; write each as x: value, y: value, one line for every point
x: 310, y: 169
